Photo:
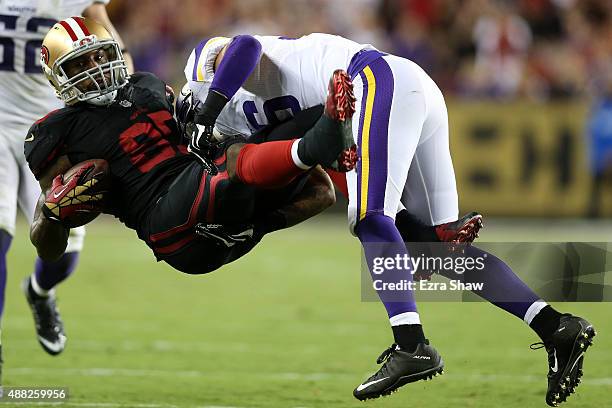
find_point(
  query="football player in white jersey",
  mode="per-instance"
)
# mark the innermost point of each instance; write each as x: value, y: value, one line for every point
x: 27, y: 97
x: 401, y: 131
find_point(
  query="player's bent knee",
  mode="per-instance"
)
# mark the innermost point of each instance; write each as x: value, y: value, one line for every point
x: 324, y: 191
x: 376, y: 227
x: 326, y: 195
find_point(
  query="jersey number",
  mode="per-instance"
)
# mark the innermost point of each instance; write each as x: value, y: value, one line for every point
x: 146, y: 143
x: 271, y: 108
x: 32, y: 47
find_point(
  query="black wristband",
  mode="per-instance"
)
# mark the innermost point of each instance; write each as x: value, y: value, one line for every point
x: 208, y: 113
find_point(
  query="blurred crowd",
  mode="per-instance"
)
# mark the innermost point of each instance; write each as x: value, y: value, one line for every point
x: 503, y: 49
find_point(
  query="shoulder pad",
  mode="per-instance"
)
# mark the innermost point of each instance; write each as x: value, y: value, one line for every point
x: 45, y: 140
x: 150, y: 88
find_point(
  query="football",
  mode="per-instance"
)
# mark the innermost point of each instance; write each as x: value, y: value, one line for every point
x: 82, y: 194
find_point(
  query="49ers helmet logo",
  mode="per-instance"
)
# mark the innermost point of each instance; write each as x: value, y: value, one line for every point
x: 44, y: 54
x: 84, y: 41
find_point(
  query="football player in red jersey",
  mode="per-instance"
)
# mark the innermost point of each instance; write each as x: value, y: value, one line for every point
x: 194, y: 215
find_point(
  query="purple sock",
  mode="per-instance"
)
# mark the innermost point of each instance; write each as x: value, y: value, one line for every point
x: 379, y: 228
x: 502, y: 287
x: 5, y: 243
x: 241, y: 57
x: 49, y: 274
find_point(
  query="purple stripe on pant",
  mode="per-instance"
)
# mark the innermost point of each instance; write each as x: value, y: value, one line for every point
x: 376, y: 227
x: 361, y: 60
x: 377, y: 149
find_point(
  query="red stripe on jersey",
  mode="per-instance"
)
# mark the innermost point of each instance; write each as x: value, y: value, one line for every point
x: 81, y: 24
x: 176, y: 246
x: 69, y: 29
x: 210, y: 209
x: 45, y: 117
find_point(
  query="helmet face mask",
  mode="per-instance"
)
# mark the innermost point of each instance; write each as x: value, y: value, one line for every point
x: 185, y: 111
x: 93, y: 82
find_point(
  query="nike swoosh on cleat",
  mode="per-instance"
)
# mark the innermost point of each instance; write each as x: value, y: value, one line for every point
x: 30, y: 138
x: 555, y: 368
x: 366, y: 385
x: 54, y: 347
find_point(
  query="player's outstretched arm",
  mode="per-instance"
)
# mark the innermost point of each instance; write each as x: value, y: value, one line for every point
x: 97, y: 11
x: 49, y: 237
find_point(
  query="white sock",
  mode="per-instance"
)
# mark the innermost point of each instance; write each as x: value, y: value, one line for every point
x: 533, y: 310
x: 405, y: 318
x: 37, y: 289
x: 296, y: 157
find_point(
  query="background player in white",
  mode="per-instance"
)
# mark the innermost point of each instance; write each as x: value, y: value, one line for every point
x: 401, y: 131
x: 26, y: 97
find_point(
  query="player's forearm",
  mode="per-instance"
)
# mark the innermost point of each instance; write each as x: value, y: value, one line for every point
x: 317, y: 195
x: 50, y: 238
x: 238, y: 62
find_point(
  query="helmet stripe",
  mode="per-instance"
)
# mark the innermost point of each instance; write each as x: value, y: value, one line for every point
x: 75, y: 27
x: 69, y: 30
x: 81, y: 24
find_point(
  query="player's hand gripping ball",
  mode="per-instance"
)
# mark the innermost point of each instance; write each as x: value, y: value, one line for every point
x: 78, y: 196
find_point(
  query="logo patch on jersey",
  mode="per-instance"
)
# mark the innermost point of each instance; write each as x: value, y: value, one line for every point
x: 125, y: 103
x: 44, y: 54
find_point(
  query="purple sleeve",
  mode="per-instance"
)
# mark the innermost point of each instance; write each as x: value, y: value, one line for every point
x: 241, y: 57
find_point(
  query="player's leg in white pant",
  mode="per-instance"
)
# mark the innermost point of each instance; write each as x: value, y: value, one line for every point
x: 392, y: 112
x: 387, y: 128
x: 9, y: 184
x: 430, y: 192
x: 387, y: 161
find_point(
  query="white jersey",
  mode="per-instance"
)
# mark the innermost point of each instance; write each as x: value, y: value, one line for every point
x: 24, y: 91
x: 291, y: 75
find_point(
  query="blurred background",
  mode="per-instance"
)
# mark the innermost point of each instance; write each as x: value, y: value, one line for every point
x: 528, y: 82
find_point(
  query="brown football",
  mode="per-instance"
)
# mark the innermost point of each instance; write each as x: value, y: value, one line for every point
x: 100, y: 171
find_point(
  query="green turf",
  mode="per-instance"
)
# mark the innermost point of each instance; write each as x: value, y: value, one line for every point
x: 283, y: 327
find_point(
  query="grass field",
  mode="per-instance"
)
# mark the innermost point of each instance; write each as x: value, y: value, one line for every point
x: 283, y: 327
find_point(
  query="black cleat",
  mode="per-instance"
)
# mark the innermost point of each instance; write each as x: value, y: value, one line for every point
x: 565, y: 357
x: 49, y: 326
x: 400, y: 368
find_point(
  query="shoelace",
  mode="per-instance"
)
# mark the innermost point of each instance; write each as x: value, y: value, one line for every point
x: 47, y: 307
x: 386, y: 354
x: 551, y: 356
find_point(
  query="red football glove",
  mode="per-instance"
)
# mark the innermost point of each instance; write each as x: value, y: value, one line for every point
x: 72, y: 202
